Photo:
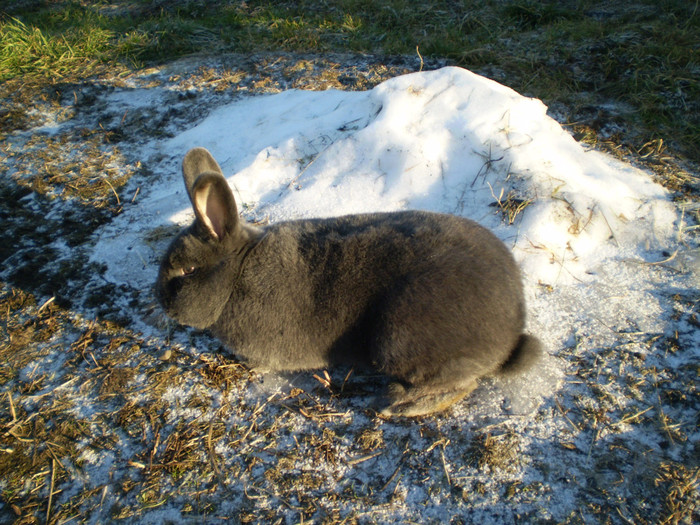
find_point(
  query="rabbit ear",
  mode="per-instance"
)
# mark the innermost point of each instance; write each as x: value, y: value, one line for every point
x: 214, y: 205
x: 196, y: 162
x: 211, y: 197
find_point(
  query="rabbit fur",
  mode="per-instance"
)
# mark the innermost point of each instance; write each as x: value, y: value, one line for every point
x: 434, y: 301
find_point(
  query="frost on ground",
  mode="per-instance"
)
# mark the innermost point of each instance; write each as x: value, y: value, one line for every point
x: 112, y: 412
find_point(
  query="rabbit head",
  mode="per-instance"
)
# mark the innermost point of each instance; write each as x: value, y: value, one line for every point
x: 196, y: 276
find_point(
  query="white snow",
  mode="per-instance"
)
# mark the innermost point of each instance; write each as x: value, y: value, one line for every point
x: 448, y: 141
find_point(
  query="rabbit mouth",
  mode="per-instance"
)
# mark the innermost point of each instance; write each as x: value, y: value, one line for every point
x: 164, y: 293
x: 155, y: 315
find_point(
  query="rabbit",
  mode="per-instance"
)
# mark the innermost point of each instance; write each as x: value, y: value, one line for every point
x: 432, y: 300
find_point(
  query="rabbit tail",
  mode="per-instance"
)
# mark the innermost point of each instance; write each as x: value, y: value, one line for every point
x: 526, y: 353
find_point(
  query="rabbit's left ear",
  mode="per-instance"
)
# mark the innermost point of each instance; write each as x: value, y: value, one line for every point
x: 196, y: 162
x: 214, y: 205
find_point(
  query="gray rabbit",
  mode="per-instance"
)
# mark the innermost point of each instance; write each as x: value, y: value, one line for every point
x: 434, y: 301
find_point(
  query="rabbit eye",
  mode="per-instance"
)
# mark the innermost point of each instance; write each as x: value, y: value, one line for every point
x: 187, y: 271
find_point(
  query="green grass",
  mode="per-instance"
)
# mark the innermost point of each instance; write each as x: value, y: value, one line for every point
x: 644, y: 54
x: 28, y: 50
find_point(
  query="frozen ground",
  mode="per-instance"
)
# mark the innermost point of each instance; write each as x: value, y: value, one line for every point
x: 170, y: 427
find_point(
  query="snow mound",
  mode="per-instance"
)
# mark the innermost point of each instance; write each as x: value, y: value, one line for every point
x: 446, y: 140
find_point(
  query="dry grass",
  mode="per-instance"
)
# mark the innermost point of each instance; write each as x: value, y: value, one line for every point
x: 491, y: 452
x: 511, y: 206
x: 81, y: 165
x: 682, y: 487
x: 57, y: 421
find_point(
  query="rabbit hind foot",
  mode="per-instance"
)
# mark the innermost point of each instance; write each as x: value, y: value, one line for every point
x: 414, y: 402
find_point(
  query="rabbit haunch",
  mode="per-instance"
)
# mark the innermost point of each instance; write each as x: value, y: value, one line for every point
x: 433, y: 300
